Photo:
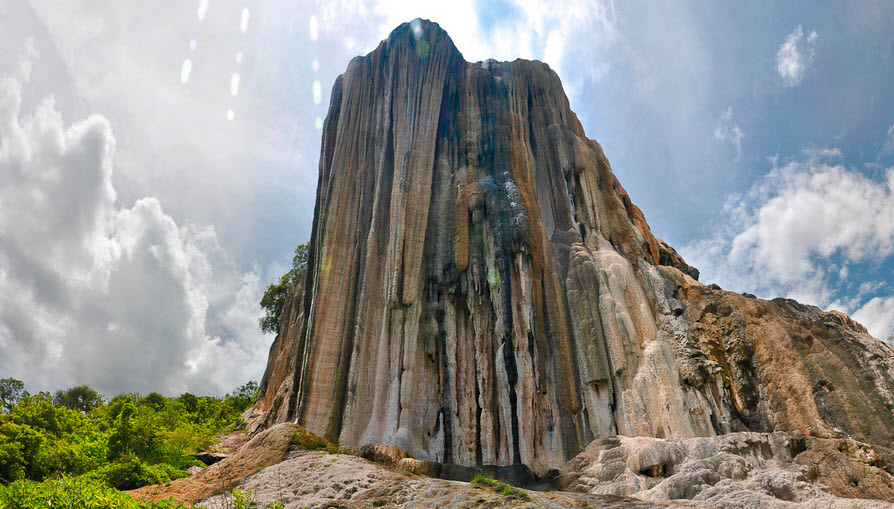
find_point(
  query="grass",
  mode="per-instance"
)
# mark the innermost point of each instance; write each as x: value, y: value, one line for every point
x: 500, y: 487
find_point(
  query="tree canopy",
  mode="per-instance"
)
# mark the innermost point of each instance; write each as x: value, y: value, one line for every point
x: 274, y: 298
x: 81, y: 398
x: 11, y: 390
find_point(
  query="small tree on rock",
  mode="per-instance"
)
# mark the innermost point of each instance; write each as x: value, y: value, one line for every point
x: 274, y: 298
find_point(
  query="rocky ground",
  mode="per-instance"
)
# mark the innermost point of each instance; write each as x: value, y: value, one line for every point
x: 740, y: 470
x: 316, y: 479
x: 753, y: 470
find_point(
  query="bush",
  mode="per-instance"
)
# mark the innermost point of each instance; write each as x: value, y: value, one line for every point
x: 129, y: 473
x: 80, y: 493
x: 481, y: 479
x: 129, y: 442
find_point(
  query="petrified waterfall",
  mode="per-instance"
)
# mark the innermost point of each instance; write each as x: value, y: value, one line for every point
x: 481, y: 290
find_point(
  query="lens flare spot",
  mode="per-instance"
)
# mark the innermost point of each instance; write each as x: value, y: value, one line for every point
x: 234, y: 83
x: 231, y: 115
x: 192, y: 44
x: 203, y: 9
x: 318, y: 92
x: 313, y: 27
x: 238, y: 57
x: 187, y: 68
x: 315, y: 65
x: 318, y: 123
x: 243, y: 24
x: 416, y: 27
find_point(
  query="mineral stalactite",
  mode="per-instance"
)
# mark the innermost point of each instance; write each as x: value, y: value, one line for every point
x: 480, y: 289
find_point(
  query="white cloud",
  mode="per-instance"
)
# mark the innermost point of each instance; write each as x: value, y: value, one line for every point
x: 888, y: 145
x: 780, y: 237
x: 91, y: 291
x: 726, y: 130
x: 795, y: 56
x: 877, y: 316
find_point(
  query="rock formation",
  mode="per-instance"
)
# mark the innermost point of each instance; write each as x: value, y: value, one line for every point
x: 742, y: 469
x: 480, y: 289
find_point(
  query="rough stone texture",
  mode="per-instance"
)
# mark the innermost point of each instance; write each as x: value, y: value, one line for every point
x: 267, y: 448
x: 481, y: 290
x: 277, y: 383
x: 742, y: 469
x: 319, y: 480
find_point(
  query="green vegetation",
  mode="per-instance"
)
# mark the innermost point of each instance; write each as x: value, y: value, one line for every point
x: 73, y: 493
x: 11, y: 390
x: 245, y: 501
x: 275, y: 297
x: 53, y: 447
x: 500, y: 487
x: 481, y: 479
x: 309, y: 441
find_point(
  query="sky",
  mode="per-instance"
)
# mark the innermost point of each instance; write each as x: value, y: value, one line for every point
x: 158, y: 160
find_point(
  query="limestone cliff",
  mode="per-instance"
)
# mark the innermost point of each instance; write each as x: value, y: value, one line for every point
x: 481, y: 290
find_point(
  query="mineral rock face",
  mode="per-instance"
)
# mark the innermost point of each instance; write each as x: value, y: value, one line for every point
x: 743, y: 469
x: 481, y: 290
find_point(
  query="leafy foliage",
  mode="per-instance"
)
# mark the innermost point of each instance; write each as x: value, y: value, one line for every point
x: 500, y: 487
x: 274, y: 298
x: 245, y: 500
x: 129, y: 442
x: 73, y: 493
x: 80, y: 398
x: 10, y: 392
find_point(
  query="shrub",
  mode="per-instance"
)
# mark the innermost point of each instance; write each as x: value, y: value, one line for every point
x: 129, y: 473
x: 245, y: 500
x: 74, y: 493
x: 481, y: 479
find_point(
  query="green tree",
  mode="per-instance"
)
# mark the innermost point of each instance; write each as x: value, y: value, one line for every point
x: 154, y: 400
x: 11, y: 390
x: 243, y: 396
x: 189, y: 401
x: 274, y: 298
x: 81, y: 398
x: 121, y: 441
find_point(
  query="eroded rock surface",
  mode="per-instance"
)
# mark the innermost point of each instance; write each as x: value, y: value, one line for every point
x: 320, y: 480
x: 745, y: 469
x: 480, y: 289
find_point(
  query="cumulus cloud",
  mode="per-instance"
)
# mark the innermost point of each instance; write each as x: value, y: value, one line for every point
x: 795, y: 56
x: 728, y: 131
x: 92, y: 291
x: 877, y: 315
x: 783, y: 236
